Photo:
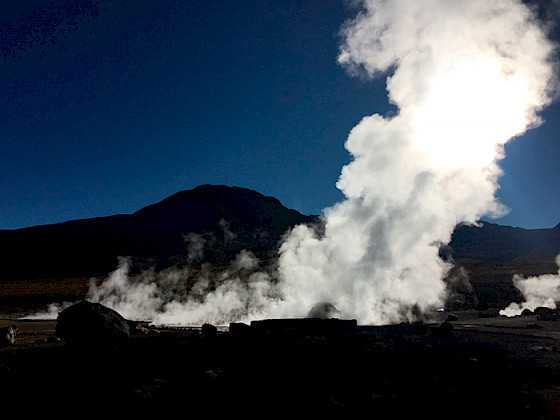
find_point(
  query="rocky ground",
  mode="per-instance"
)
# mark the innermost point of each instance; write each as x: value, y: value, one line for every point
x: 489, y: 367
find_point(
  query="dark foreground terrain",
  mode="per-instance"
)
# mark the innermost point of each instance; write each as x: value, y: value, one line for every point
x: 488, y: 368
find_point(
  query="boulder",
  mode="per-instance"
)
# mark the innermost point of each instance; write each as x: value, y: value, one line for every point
x: 8, y: 335
x: 209, y: 330
x: 526, y: 312
x: 91, y: 323
x: 323, y: 310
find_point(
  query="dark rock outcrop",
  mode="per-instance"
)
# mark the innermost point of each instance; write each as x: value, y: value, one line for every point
x: 323, y: 310
x: 209, y: 330
x: 527, y: 312
x: 88, y: 323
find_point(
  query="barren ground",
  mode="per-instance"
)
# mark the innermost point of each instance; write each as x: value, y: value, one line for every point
x: 490, y: 367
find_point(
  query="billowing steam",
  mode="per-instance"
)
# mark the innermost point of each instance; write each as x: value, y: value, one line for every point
x: 466, y: 77
x: 187, y: 296
x: 540, y: 291
x: 237, y: 293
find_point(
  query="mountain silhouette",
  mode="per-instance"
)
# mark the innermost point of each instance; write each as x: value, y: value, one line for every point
x: 494, y: 243
x: 226, y: 219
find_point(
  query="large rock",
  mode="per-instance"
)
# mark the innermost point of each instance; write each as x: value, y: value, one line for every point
x: 91, y: 323
x: 209, y: 330
x: 323, y: 310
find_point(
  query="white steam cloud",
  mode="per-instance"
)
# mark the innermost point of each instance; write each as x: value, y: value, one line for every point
x: 466, y: 77
x: 238, y: 293
x: 539, y: 291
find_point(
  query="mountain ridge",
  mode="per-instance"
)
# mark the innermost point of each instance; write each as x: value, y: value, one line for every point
x: 151, y: 236
x: 493, y: 242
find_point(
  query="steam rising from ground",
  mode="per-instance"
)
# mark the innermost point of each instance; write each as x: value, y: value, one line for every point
x: 466, y: 76
x: 540, y: 291
x: 236, y: 293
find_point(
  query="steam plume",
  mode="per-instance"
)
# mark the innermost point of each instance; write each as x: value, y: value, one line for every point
x: 540, y: 291
x: 467, y: 76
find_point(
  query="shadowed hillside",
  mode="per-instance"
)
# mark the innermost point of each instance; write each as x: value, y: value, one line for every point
x: 495, y: 243
x: 225, y: 220
x: 491, y: 254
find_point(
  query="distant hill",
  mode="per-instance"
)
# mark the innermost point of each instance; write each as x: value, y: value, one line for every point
x: 491, y: 254
x: 227, y: 219
x: 495, y: 243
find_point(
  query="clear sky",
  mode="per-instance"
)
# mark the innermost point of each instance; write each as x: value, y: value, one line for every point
x: 109, y: 106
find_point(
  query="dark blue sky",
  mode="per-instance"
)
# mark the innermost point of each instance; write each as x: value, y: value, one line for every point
x: 109, y: 106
